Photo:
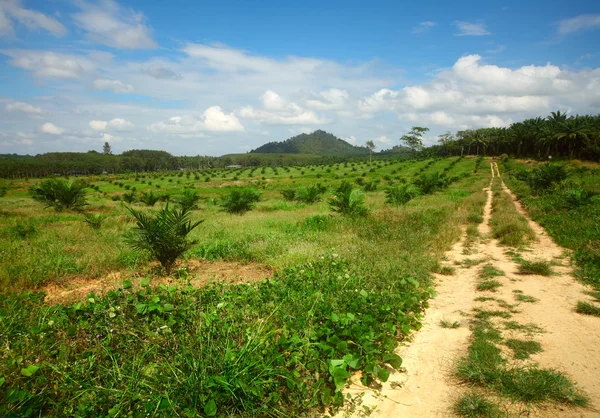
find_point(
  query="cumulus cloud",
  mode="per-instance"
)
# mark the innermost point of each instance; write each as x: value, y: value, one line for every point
x: 470, y: 29
x: 51, y: 129
x: 384, y: 140
x: 423, y: 27
x: 279, y: 111
x: 31, y: 19
x: 473, y: 94
x: 112, y: 25
x: 331, y: 99
x: 579, y: 23
x: 116, y: 124
x: 213, y: 119
x: 24, y: 108
x: 116, y: 86
x: 98, y: 125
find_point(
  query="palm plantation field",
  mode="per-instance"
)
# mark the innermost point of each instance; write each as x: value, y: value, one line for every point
x: 307, y: 288
x: 344, y: 290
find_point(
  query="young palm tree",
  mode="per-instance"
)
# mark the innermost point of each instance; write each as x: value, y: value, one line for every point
x: 60, y: 194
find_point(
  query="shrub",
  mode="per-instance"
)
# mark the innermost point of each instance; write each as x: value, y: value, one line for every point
x: 545, y: 177
x: 308, y: 195
x: 129, y: 197
x: 150, y: 198
x: 188, y: 200
x: 164, y: 235
x: 240, y: 200
x: 371, y: 186
x: 94, y: 220
x: 60, y: 194
x: 572, y: 197
x: 429, y: 183
x: 400, y: 195
x: 289, y: 194
x: 348, y: 201
x: 3, y: 191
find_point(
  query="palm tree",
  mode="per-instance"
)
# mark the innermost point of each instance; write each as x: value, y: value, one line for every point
x: 370, y: 146
x: 574, y: 131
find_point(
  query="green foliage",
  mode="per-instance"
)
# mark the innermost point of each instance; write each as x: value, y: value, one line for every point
x: 448, y: 324
x: 544, y: 177
x: 348, y: 201
x: 188, y: 200
x: 489, y: 285
x: 128, y: 197
x: 488, y: 271
x: 317, y: 142
x: 401, y: 194
x: 94, y: 220
x: 150, y: 198
x: 163, y: 236
x: 523, y: 348
x: 289, y: 194
x: 22, y: 229
x: 473, y: 405
x: 60, y: 194
x: 3, y: 190
x: 310, y: 194
x: 430, y: 182
x: 240, y: 200
x: 587, y: 308
x: 539, y: 267
x: 414, y: 139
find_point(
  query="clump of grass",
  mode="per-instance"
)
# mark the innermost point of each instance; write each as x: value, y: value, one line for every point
x: 488, y: 271
x: 529, y: 329
x: 468, y: 262
x: 485, y: 314
x: 540, y: 267
x: 445, y: 270
x: 587, y: 308
x: 484, y: 298
x: 525, y: 298
x: 488, y: 285
x: 94, y: 220
x: 594, y: 294
x: 523, y: 348
x: 509, y: 227
x: 448, y: 324
x: 473, y: 405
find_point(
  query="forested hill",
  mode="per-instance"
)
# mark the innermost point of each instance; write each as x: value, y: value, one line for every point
x: 319, y: 142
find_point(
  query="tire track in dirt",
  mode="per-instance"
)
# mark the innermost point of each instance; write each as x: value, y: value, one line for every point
x: 571, y: 342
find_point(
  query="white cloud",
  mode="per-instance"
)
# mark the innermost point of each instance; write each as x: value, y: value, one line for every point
x: 424, y: 27
x: 50, y: 128
x: 579, y: 23
x: 213, y: 119
x: 46, y: 64
x: 23, y: 107
x: 31, y: 19
x: 98, y: 125
x: 351, y: 140
x: 384, y: 140
x: 470, y: 29
x: 116, y: 86
x: 121, y: 125
x: 331, y: 99
x: 112, y: 25
x: 278, y: 111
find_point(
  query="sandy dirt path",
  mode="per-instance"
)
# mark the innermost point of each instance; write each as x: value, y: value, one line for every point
x: 571, y: 342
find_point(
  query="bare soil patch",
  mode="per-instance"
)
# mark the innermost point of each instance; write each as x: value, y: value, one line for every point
x: 200, y: 273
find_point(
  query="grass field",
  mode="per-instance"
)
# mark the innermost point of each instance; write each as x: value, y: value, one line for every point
x: 345, y: 291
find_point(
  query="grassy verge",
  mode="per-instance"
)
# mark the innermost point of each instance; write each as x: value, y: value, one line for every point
x: 569, y: 212
x: 509, y: 227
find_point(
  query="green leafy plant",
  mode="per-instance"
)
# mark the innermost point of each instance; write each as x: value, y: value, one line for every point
x: 240, y: 200
x: 94, y: 220
x: 60, y: 194
x: 188, y: 200
x: 401, y: 194
x: 310, y: 195
x: 163, y: 235
x: 348, y: 201
x: 545, y: 177
x: 430, y: 182
x: 128, y: 197
x: 150, y: 198
x: 289, y: 194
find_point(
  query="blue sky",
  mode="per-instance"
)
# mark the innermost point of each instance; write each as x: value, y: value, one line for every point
x: 213, y: 78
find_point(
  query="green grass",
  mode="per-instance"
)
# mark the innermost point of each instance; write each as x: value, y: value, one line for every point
x: 594, y: 294
x: 449, y: 324
x: 489, y: 271
x: 345, y: 292
x: 587, y: 308
x: 525, y: 298
x: 474, y: 405
x: 487, y: 314
x: 488, y: 285
x: 523, y: 348
x: 528, y: 329
x: 540, y: 267
x: 509, y: 227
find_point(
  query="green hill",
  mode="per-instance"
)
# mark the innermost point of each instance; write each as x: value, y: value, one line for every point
x: 316, y: 143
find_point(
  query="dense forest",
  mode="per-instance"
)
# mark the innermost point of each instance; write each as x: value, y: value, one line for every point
x: 557, y: 135
x: 319, y: 142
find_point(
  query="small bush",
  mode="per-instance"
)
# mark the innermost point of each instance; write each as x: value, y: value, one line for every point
x: 347, y: 201
x: 129, y: 197
x: 240, y: 200
x: 308, y: 195
x: 60, y: 194
x: 401, y: 194
x: 429, y: 183
x: 163, y: 235
x: 150, y: 198
x: 94, y: 220
x: 188, y: 200
x: 289, y: 194
x: 543, y: 178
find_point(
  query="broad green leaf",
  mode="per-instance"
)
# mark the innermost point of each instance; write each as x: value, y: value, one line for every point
x: 210, y: 408
x: 29, y: 370
x: 383, y: 374
x: 393, y: 360
x: 127, y: 284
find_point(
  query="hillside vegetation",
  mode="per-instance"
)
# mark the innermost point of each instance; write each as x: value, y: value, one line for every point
x: 319, y: 142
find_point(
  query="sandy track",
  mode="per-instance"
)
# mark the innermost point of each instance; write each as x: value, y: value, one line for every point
x: 571, y: 342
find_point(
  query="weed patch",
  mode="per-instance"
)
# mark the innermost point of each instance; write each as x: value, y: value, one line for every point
x: 587, y: 308
x: 541, y: 268
x: 523, y: 348
x: 488, y: 285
